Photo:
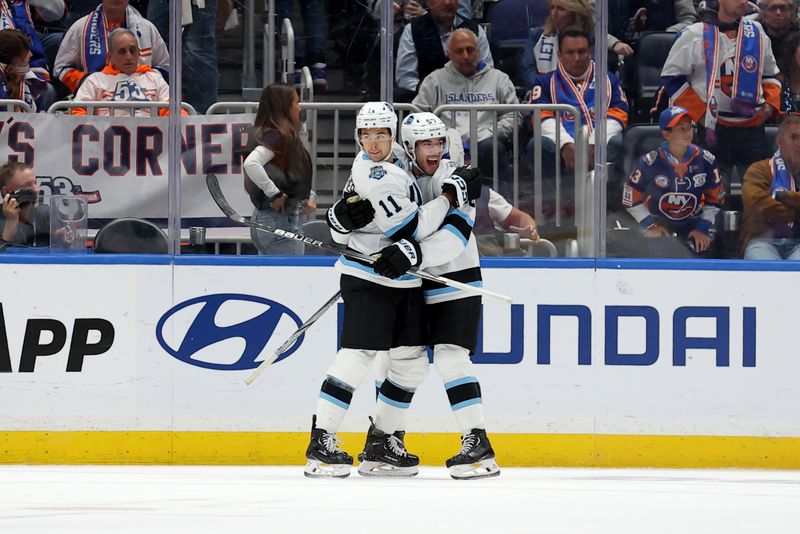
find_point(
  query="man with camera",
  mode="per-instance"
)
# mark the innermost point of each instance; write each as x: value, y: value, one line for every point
x: 23, y: 221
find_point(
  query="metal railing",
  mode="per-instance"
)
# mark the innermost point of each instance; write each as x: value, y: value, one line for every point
x: 448, y: 113
x: 9, y: 102
x: 91, y: 105
x: 228, y: 108
x: 249, y: 48
x: 336, y: 108
x: 270, y: 29
x: 584, y: 190
x: 287, y: 52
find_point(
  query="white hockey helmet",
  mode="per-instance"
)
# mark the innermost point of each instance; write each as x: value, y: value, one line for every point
x: 421, y: 127
x: 376, y: 115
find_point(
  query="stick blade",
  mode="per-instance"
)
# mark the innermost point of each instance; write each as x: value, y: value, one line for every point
x: 212, y: 182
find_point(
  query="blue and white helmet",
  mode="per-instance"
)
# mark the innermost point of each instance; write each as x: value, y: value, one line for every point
x: 421, y: 127
x: 376, y: 115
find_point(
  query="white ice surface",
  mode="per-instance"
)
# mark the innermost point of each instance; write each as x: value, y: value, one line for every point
x: 240, y: 500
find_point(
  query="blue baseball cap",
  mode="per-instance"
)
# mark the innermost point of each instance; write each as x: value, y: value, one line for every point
x: 671, y: 116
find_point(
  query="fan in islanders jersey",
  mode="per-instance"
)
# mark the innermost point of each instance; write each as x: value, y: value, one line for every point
x: 676, y: 188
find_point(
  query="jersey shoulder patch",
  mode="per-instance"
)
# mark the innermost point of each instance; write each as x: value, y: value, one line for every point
x: 708, y: 156
x: 650, y: 157
x: 377, y: 172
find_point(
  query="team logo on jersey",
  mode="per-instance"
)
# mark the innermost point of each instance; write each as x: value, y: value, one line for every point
x: 699, y: 179
x: 377, y: 172
x: 129, y: 91
x: 662, y: 181
x: 677, y: 205
x: 226, y: 331
x: 749, y: 64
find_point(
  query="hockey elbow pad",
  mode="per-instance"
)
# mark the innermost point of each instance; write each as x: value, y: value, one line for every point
x: 396, y: 259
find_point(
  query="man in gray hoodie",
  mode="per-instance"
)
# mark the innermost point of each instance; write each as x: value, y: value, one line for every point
x: 467, y: 80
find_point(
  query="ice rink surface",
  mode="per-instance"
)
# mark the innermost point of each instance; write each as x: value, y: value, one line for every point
x: 200, y: 499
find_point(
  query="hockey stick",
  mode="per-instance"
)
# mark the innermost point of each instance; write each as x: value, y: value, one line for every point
x: 288, y: 343
x: 219, y: 197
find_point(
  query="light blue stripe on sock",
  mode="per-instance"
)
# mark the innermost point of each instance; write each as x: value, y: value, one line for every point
x: 459, y: 381
x: 333, y: 400
x: 466, y: 403
x: 390, y: 402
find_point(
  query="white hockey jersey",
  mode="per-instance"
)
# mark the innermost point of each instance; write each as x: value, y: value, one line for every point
x: 452, y: 251
x: 399, y: 214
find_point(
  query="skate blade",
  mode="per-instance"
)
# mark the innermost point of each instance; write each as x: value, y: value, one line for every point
x: 382, y: 469
x: 483, y: 469
x: 317, y: 469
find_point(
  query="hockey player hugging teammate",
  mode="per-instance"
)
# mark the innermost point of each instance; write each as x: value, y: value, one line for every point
x: 452, y: 315
x: 384, y: 306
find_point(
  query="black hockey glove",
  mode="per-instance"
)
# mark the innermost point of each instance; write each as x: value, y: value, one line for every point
x: 396, y: 259
x: 466, y: 183
x: 350, y: 213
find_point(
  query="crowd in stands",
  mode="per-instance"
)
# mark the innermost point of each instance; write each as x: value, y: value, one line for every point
x: 50, y: 48
x: 730, y: 70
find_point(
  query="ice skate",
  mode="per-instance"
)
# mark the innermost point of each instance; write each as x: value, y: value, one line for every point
x: 325, y: 458
x: 475, y: 459
x: 385, y: 455
x: 399, y: 434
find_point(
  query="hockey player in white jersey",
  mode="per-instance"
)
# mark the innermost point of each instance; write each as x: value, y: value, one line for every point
x: 453, y: 315
x: 380, y: 312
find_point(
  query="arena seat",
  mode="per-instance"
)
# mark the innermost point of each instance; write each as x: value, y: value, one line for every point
x: 511, y: 19
x: 129, y: 235
x: 637, y: 140
x: 650, y: 58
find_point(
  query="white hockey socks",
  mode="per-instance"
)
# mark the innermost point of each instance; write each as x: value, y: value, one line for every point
x: 463, y: 389
x: 407, y: 370
x: 344, y: 376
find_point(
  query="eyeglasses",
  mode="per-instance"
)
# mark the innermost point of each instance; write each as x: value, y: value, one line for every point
x: 374, y: 138
x: 778, y: 8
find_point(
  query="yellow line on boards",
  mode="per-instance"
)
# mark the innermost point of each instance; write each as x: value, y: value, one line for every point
x: 288, y: 448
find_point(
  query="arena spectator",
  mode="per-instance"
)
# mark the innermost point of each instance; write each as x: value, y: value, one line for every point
x: 424, y: 43
x: 17, y: 82
x: 199, y: 68
x: 772, y: 200
x: 404, y: 12
x: 790, y: 91
x: 541, y: 51
x: 84, y: 48
x: 495, y: 216
x: 567, y: 85
x: 779, y: 19
x: 631, y: 18
x: 16, y: 14
x: 23, y: 220
x: 47, y: 16
x: 675, y: 192
x: 467, y: 80
x: 732, y: 56
x: 124, y: 79
x: 311, y: 42
x: 278, y: 171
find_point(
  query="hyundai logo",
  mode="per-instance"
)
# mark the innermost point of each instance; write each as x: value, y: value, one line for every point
x: 226, y: 332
